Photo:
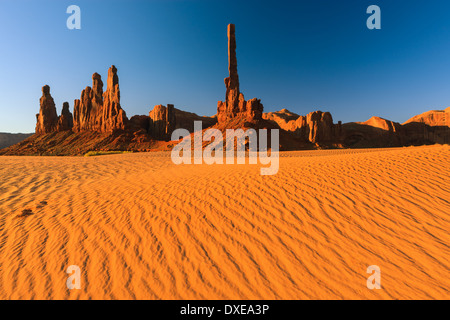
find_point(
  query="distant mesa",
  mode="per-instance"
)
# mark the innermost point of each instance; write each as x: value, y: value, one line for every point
x: 9, y: 139
x: 316, y: 127
x: 99, y: 123
x: 433, y: 118
x: 381, y: 123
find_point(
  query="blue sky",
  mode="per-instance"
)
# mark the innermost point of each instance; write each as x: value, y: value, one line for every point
x: 300, y: 55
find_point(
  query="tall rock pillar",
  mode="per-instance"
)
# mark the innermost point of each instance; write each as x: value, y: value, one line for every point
x: 232, y: 82
x: 235, y: 105
x: 114, y: 116
x: 47, y: 118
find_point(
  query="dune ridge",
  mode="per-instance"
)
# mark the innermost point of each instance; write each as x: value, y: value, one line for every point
x: 141, y: 227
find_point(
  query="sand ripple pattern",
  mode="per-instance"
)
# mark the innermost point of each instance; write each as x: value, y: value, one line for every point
x: 141, y: 227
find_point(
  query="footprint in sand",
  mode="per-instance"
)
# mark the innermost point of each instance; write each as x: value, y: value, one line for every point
x: 25, y: 213
x: 28, y: 212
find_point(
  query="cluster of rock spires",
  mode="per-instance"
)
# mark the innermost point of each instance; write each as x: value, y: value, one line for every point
x: 95, y: 111
x: 99, y: 113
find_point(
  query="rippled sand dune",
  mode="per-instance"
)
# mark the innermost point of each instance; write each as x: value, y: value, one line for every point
x: 140, y: 227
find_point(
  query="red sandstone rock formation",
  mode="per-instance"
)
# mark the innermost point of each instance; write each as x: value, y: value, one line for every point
x: 384, y: 124
x: 65, y: 121
x: 316, y: 127
x: 100, y: 121
x: 88, y: 110
x: 235, y: 105
x: 82, y: 111
x: 429, y: 127
x: 157, y: 126
x: 97, y: 110
x: 433, y: 118
x: 162, y: 122
x: 320, y: 126
x: 47, y: 119
x: 114, y: 116
x: 375, y: 132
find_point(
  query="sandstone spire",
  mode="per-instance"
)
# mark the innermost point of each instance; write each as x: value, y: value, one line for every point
x: 65, y: 121
x: 114, y: 116
x: 232, y: 82
x: 47, y: 119
x: 235, y: 104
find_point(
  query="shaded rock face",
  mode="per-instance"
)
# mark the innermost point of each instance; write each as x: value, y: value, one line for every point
x: 185, y: 120
x: 235, y: 105
x: 139, y: 122
x: 159, y: 123
x: 162, y: 122
x: 97, y: 110
x: 375, y: 132
x: 419, y: 133
x: 427, y: 128
x: 47, y: 119
x: 65, y: 121
x: 320, y: 126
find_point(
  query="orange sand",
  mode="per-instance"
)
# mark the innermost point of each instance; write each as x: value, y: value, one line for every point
x: 140, y: 227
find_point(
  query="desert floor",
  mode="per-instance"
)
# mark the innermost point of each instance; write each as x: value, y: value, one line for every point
x: 140, y: 227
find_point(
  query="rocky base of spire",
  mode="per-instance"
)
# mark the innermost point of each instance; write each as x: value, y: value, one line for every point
x: 250, y: 110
